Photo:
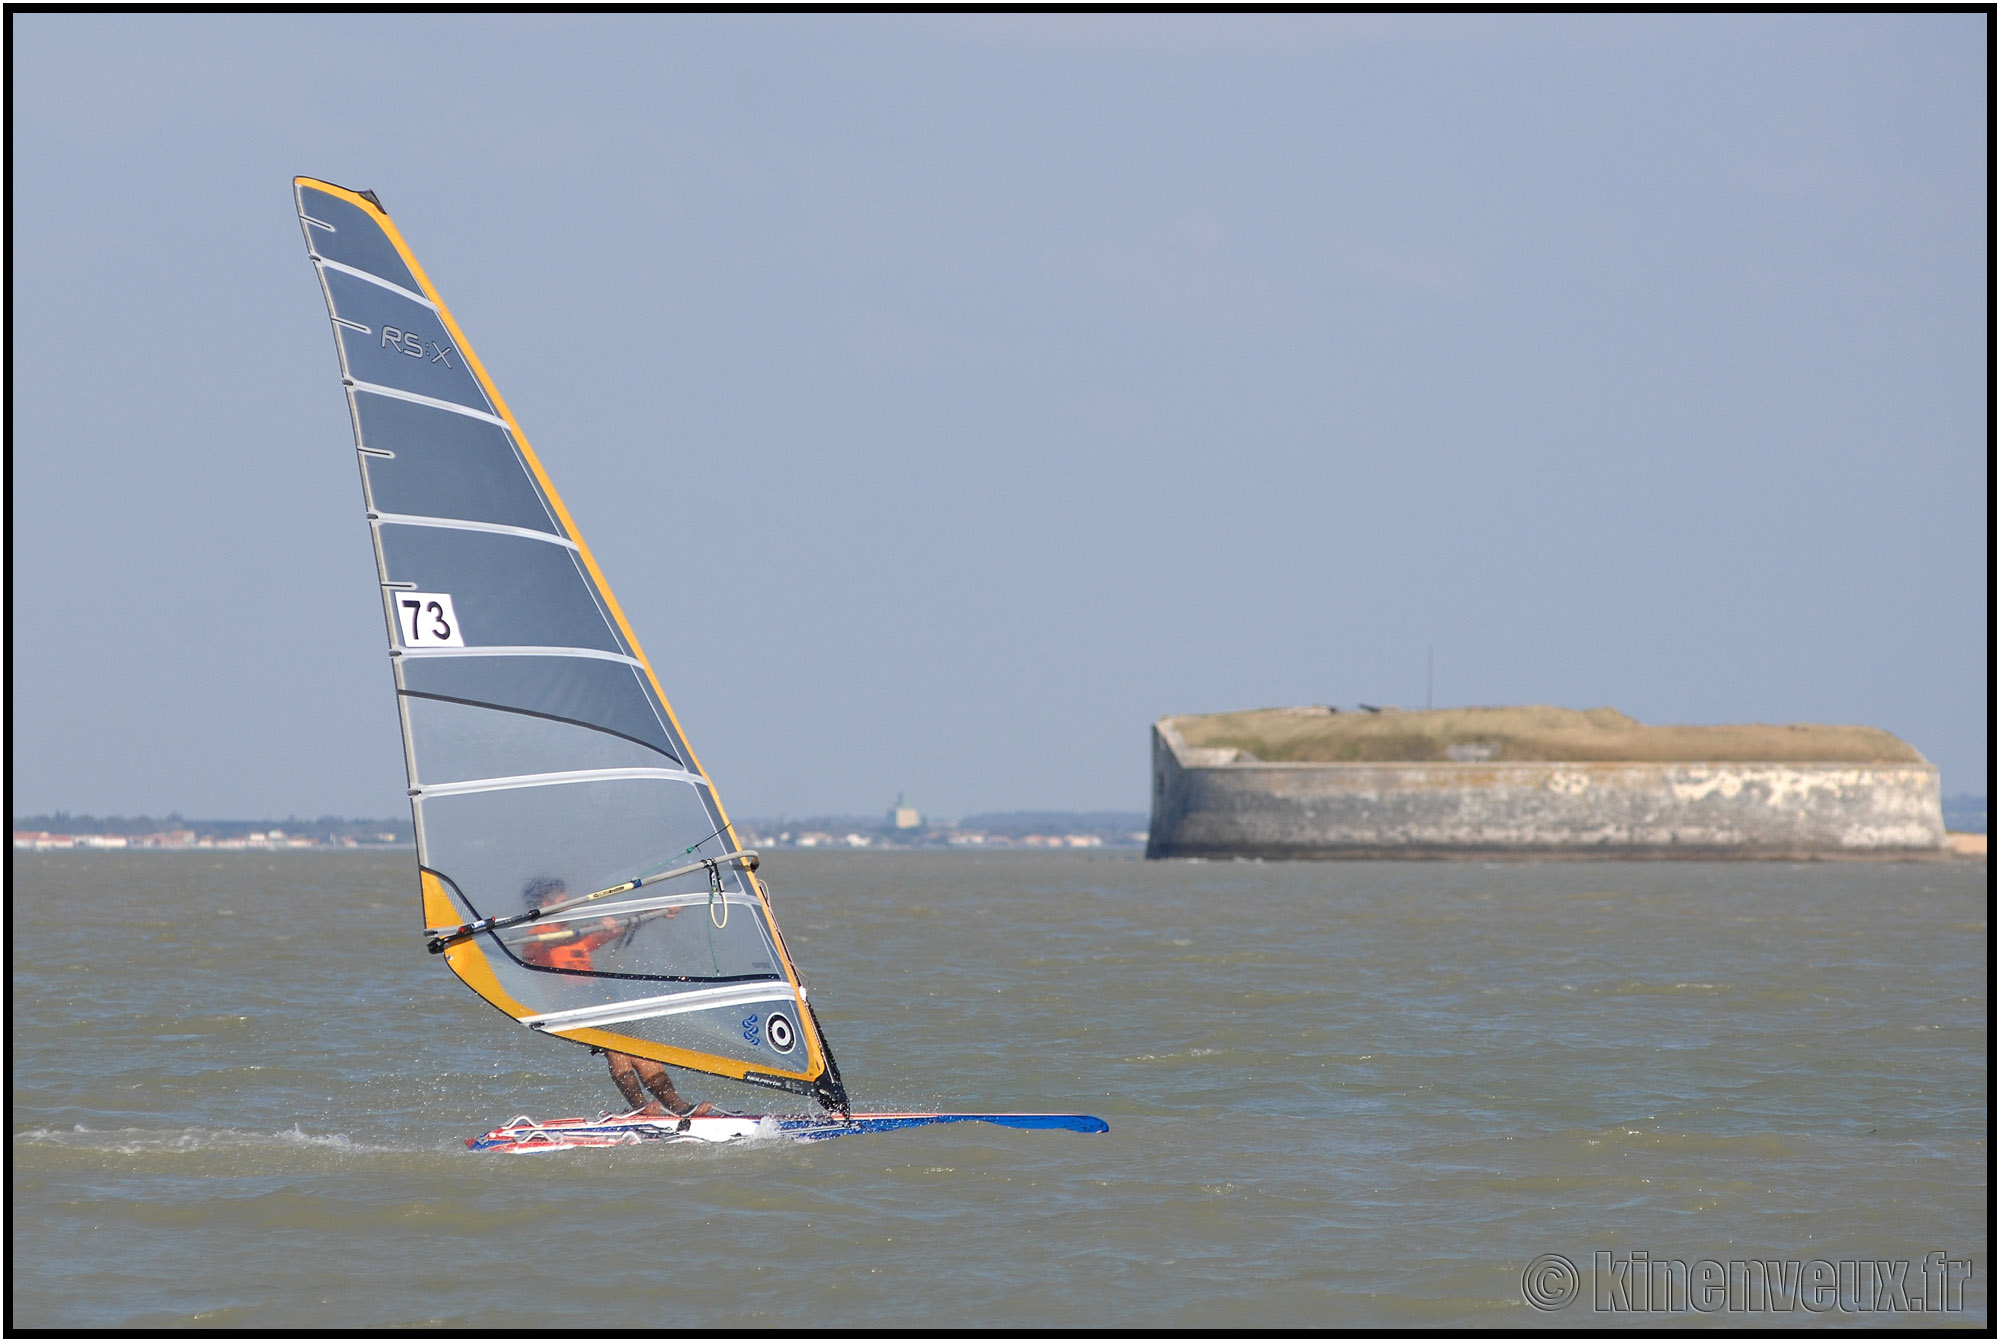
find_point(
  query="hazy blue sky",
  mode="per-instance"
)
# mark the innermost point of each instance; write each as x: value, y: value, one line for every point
x: 947, y: 398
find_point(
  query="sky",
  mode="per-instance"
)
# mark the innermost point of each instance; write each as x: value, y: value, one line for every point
x: 947, y: 398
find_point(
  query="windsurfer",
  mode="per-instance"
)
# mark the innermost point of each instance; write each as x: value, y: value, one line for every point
x: 569, y: 946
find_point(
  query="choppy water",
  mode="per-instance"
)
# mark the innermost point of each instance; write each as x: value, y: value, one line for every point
x: 1339, y: 1094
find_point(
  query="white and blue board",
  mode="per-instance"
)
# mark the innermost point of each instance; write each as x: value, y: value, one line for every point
x: 526, y: 1136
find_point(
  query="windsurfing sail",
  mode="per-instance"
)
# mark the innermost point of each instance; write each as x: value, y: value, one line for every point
x: 577, y: 869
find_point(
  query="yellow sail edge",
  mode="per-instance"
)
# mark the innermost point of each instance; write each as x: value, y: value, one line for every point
x: 467, y: 960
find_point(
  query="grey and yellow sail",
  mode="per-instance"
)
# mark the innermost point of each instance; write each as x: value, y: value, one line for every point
x: 545, y: 763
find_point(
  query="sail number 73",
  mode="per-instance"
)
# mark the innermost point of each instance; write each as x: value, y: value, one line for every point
x: 426, y: 620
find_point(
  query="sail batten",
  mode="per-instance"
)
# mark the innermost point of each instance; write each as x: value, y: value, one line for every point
x: 544, y: 760
x: 554, y: 780
x: 360, y: 274
x: 522, y: 650
x: 465, y: 524
x: 398, y: 393
x: 652, y: 1008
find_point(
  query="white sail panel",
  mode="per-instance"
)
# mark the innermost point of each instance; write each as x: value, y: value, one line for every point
x: 603, y: 693
x: 389, y: 340
x: 460, y: 741
x: 430, y: 462
x: 590, y: 835
x: 344, y: 232
x: 508, y: 590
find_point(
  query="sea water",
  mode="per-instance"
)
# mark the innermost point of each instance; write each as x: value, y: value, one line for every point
x: 1340, y: 1094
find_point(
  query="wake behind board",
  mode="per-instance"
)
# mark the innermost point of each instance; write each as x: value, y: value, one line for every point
x: 525, y: 1136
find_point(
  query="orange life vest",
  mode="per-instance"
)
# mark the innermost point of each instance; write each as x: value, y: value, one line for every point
x: 572, y: 953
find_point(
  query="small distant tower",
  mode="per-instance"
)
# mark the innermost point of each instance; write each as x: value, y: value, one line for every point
x: 903, y: 815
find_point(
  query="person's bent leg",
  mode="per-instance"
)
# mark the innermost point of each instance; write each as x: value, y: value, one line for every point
x: 625, y: 1075
x: 656, y: 1080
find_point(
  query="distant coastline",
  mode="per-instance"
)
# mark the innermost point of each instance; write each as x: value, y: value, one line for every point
x: 976, y: 833
x: 1964, y: 814
x: 45, y: 833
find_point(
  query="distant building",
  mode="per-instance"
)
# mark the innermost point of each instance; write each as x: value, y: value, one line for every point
x: 40, y: 840
x: 903, y: 815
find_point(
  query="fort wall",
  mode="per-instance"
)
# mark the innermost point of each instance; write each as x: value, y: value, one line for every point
x: 1213, y: 802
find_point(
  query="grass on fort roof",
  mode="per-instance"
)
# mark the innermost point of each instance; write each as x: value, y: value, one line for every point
x: 1527, y: 734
